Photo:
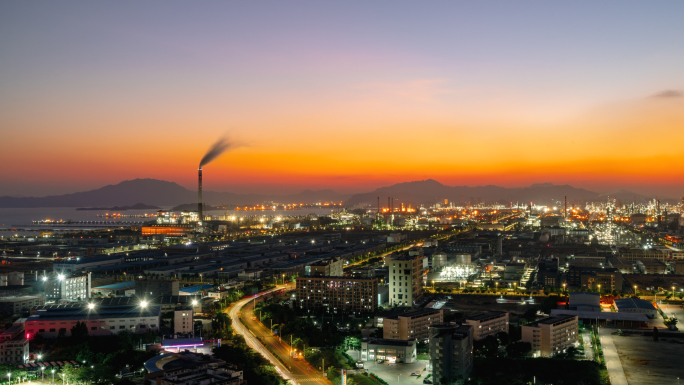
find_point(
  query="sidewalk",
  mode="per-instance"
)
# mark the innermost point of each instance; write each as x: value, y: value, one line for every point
x: 610, y: 355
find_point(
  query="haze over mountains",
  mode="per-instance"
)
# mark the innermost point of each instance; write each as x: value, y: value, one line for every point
x: 168, y: 194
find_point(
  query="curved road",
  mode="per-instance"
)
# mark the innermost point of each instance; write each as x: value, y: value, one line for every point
x: 299, y: 371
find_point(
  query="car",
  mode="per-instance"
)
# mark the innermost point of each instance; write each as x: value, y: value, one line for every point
x: 415, y: 374
x: 253, y: 318
x: 426, y: 381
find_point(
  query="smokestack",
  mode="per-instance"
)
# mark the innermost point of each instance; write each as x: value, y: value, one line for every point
x: 199, y: 193
x: 566, y: 207
x: 388, y: 203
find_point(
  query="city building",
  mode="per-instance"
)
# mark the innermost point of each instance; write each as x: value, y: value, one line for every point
x: 585, y: 301
x: 403, y: 351
x: 100, y: 321
x: 488, y: 324
x: 332, y: 267
x: 152, y: 288
x: 451, y: 352
x: 406, y: 279
x: 20, y: 303
x: 651, y: 266
x: 183, y: 321
x: 337, y: 295
x: 610, y: 279
x: 551, y: 335
x: 14, y: 348
x: 634, y: 305
x: 187, y: 368
x: 13, y: 278
x: 65, y: 286
x: 410, y: 325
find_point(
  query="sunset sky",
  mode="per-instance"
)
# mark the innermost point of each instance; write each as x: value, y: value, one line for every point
x: 343, y: 95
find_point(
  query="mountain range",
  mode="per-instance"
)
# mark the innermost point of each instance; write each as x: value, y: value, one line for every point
x: 168, y: 194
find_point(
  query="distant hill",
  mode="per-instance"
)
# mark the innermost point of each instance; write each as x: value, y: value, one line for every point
x: 160, y: 193
x: 137, y: 206
x: 132, y: 193
x: 431, y: 191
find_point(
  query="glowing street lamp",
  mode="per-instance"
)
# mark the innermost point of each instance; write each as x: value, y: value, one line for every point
x: 143, y: 304
x: 91, y: 306
x: 10, y: 378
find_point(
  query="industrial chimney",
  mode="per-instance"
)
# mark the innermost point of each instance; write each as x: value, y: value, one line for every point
x: 199, y: 193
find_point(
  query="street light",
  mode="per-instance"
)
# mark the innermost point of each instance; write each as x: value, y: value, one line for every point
x: 10, y: 378
x: 53, y: 376
x: 91, y: 306
x: 143, y: 304
x: 42, y: 373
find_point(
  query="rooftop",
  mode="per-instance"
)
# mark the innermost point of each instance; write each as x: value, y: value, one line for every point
x: 382, y: 341
x: 414, y: 313
x: 635, y: 317
x: 486, y: 316
x: 633, y: 303
x: 117, y: 286
x: 79, y: 313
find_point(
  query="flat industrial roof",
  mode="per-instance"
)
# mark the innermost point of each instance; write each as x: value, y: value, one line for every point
x: 382, y: 341
x: 79, y: 313
x: 117, y: 286
x: 636, y: 317
x: 196, y: 288
x: 633, y: 303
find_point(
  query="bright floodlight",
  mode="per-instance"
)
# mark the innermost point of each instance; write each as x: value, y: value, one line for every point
x: 44, y: 278
x: 91, y: 306
x: 143, y: 304
x: 60, y: 277
x: 194, y: 302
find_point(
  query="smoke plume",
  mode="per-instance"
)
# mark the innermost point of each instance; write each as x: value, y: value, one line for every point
x: 215, y: 150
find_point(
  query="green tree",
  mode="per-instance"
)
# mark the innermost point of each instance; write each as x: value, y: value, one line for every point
x: 79, y: 333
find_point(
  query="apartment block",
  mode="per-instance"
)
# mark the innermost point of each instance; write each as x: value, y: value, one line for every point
x: 488, y: 324
x: 20, y: 304
x: 406, y: 279
x: 410, y: 325
x: 551, y: 335
x: 337, y: 295
x: 14, y: 348
x: 183, y: 321
x: 451, y: 353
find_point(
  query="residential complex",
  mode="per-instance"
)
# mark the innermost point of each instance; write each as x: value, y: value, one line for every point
x: 488, y: 324
x: 328, y: 267
x: 410, y: 325
x: 551, y: 335
x: 337, y: 295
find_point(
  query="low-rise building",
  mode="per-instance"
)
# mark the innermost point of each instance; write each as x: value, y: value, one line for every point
x: 110, y: 320
x: 551, y: 335
x: 585, y: 301
x: 451, y: 352
x: 635, y: 305
x: 187, y: 368
x: 410, y: 325
x: 19, y: 304
x: 403, y: 351
x: 337, y: 295
x: 14, y: 347
x: 651, y: 266
x: 115, y: 289
x: 153, y: 288
x: 332, y: 267
x: 488, y: 324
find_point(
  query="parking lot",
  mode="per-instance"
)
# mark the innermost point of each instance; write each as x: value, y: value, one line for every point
x: 648, y: 362
x: 399, y: 372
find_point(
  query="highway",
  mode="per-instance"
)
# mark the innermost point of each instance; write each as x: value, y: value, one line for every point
x: 260, y: 339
